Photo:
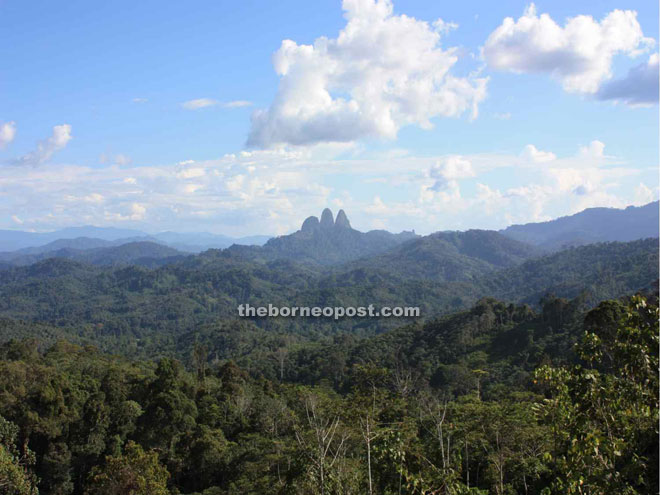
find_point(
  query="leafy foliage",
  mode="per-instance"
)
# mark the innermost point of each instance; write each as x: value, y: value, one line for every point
x: 135, y: 472
x: 445, y: 407
x: 116, y: 306
x: 604, y: 413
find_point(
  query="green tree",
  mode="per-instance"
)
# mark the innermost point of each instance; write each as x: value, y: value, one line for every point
x: 604, y: 413
x: 15, y: 478
x: 135, y: 472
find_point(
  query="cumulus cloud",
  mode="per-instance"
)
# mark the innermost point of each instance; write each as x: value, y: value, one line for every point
x: 638, y: 88
x: 7, y: 133
x: 46, y: 148
x: 272, y: 191
x: 243, y: 193
x: 584, y: 189
x: 644, y: 194
x: 382, y: 72
x: 579, y: 54
x: 531, y: 153
x: 377, y: 206
x: 133, y: 212
x: 595, y: 149
x: 588, y: 176
x: 447, y: 171
x: 191, y: 173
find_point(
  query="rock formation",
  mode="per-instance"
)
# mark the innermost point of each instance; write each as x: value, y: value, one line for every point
x: 327, y: 222
x: 310, y: 224
x: 342, y: 220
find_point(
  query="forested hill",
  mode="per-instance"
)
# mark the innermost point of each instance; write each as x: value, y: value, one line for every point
x: 449, y: 256
x: 589, y: 226
x: 496, y: 399
x: 114, y: 305
x: 501, y: 386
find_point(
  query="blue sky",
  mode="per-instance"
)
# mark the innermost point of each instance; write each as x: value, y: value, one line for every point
x: 195, y: 116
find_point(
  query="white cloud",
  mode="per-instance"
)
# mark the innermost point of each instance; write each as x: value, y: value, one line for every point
x: 139, y: 100
x: 272, y: 191
x: 191, y: 172
x: 7, y: 133
x: 638, y: 88
x: 377, y: 206
x: 594, y: 150
x: 199, y: 103
x: 382, y: 72
x: 443, y: 186
x: 210, y: 102
x: 444, y: 27
x: 135, y: 212
x: 94, y: 198
x: 578, y: 54
x: 447, y: 171
x: 644, y: 194
x: 530, y: 152
x: 237, y: 104
x: 45, y: 149
x: 17, y: 220
x: 588, y: 176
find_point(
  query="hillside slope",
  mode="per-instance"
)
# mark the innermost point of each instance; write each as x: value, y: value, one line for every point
x: 589, y: 226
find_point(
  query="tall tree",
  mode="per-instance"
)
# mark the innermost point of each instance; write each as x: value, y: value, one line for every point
x: 604, y: 412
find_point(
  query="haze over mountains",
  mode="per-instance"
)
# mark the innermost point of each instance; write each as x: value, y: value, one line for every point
x: 161, y: 292
x: 589, y: 226
x: 330, y: 242
x: 90, y: 237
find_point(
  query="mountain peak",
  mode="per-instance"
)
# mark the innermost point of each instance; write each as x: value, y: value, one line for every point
x: 310, y: 223
x: 327, y: 220
x: 342, y: 220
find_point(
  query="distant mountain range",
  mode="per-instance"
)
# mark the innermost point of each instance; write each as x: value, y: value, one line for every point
x: 90, y: 237
x: 159, y: 304
x: 330, y: 242
x: 148, y: 295
x: 96, y: 252
x: 590, y: 226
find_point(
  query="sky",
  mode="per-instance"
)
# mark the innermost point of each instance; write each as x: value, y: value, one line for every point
x: 244, y: 118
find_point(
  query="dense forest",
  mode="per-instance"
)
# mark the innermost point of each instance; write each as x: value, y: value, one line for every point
x: 126, y: 370
x: 145, y: 312
x: 496, y: 400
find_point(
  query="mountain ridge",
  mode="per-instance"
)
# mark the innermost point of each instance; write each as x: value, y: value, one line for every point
x: 590, y: 226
